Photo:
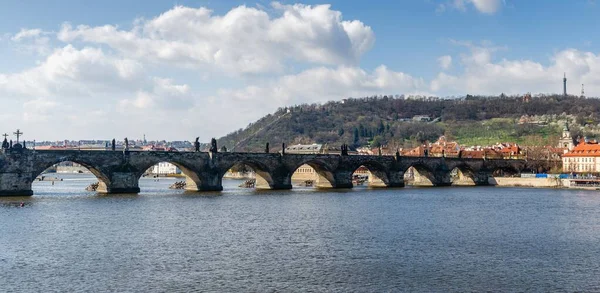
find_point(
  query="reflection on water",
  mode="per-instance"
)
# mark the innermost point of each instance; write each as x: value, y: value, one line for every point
x: 367, y: 240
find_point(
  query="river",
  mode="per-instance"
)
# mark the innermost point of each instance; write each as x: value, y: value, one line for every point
x: 457, y: 239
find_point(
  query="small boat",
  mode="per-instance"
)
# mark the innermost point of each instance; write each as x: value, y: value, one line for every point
x: 250, y: 183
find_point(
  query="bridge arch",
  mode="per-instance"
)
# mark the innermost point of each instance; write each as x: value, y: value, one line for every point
x: 264, y: 178
x: 325, y: 177
x: 463, y: 175
x: 419, y: 174
x: 193, y: 179
x: 377, y: 174
x: 46, y: 162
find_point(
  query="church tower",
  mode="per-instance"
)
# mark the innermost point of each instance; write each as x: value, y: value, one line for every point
x: 566, y: 141
x: 565, y: 84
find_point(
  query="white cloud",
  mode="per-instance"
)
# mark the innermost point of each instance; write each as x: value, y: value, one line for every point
x: 316, y: 85
x: 163, y: 95
x: 483, y: 6
x: 112, y: 82
x: 445, y: 62
x: 244, y: 40
x: 483, y: 75
x: 323, y: 84
x: 487, y: 6
x: 32, y: 40
x: 26, y: 34
x: 39, y: 110
x: 69, y: 72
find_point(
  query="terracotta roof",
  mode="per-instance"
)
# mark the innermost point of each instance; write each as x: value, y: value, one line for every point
x: 584, y: 150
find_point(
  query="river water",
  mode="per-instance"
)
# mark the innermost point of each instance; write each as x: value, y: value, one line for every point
x: 362, y: 240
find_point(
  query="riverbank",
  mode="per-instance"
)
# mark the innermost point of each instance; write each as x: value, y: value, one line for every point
x: 539, y: 183
x: 526, y: 182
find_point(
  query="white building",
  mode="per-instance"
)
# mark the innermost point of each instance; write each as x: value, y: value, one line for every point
x: 165, y: 168
x: 584, y: 158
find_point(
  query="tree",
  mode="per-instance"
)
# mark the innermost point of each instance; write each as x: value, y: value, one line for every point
x: 377, y: 141
x: 380, y: 128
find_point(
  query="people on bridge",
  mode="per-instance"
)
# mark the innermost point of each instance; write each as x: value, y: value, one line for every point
x: 197, y: 144
x: 267, y: 148
x: 113, y: 144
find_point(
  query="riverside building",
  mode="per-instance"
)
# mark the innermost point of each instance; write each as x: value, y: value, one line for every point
x: 584, y: 158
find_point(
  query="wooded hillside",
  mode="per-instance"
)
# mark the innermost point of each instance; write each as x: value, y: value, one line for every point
x: 375, y: 121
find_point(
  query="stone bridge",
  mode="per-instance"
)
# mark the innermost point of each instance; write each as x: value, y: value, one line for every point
x: 119, y: 171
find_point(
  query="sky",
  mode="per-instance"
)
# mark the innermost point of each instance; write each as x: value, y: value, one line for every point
x: 72, y: 69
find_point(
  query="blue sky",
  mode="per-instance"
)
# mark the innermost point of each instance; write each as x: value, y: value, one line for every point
x: 163, y: 67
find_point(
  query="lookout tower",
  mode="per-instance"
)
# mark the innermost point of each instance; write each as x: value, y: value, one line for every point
x: 565, y: 84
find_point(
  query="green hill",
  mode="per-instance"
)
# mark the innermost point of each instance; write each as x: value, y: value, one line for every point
x: 374, y: 121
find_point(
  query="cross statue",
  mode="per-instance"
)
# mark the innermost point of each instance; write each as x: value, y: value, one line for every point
x: 5, y: 135
x: 18, y: 134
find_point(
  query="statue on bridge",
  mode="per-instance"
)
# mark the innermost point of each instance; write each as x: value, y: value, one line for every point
x: 283, y: 148
x: 126, y: 144
x: 267, y: 148
x: 213, y: 145
x: 344, y: 149
x: 5, y: 142
x: 197, y: 144
x: 397, y: 154
x: 113, y: 145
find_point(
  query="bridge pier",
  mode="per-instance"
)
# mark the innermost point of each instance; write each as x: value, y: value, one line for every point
x: 211, y: 181
x: 120, y: 182
x: 396, y: 179
x: 337, y: 179
x: 482, y: 178
x: 15, y: 184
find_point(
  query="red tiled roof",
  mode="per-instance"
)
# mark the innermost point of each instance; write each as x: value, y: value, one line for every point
x: 584, y: 150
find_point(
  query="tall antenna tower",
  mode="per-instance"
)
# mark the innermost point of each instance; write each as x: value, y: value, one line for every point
x: 582, y: 91
x: 565, y: 84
